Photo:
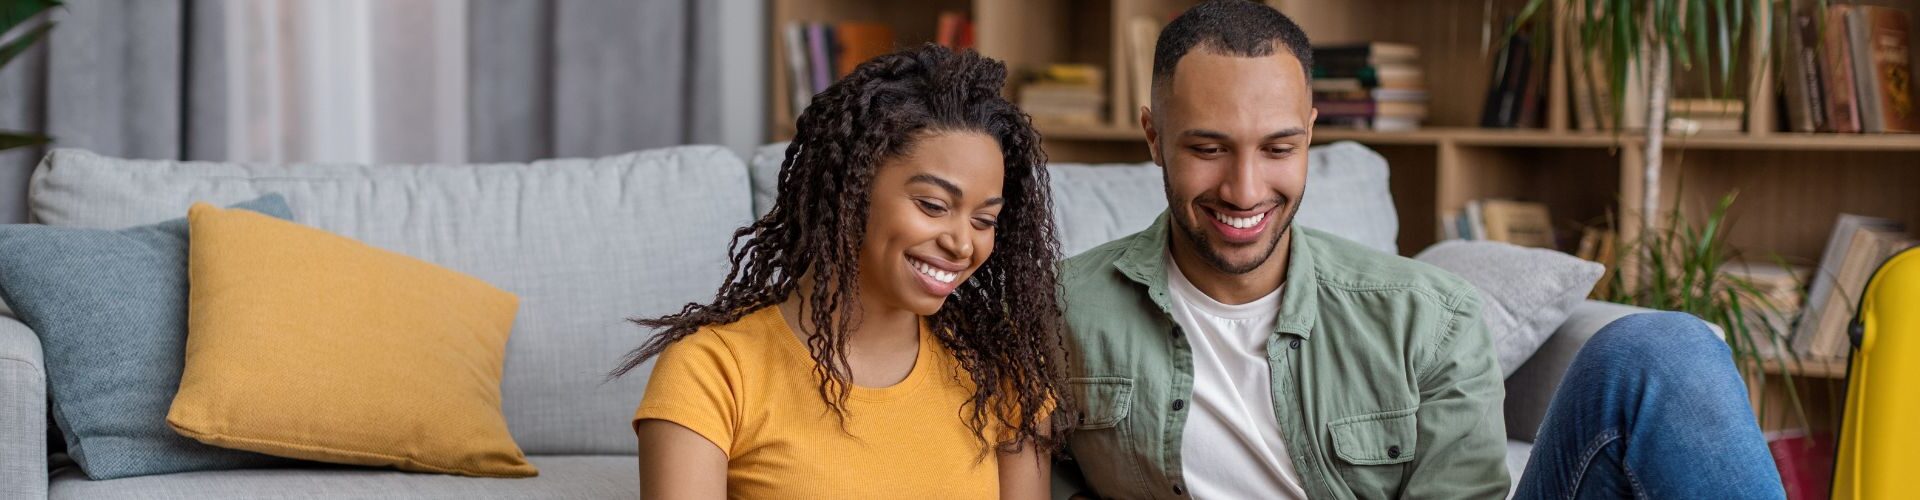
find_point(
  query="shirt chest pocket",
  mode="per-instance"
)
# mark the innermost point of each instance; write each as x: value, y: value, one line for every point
x: 1373, y: 449
x: 1102, y: 442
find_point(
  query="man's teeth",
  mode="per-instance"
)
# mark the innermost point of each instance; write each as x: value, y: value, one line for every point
x: 935, y: 273
x: 1240, y: 222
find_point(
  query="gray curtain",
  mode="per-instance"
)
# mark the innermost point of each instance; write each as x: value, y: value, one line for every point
x: 112, y: 78
x: 571, y: 78
x: 145, y: 79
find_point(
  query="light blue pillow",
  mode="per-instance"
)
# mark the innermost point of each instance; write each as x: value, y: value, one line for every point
x: 110, y: 308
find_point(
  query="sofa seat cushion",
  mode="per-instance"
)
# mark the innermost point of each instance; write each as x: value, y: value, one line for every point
x: 1517, y: 454
x: 584, y: 243
x: 576, y: 476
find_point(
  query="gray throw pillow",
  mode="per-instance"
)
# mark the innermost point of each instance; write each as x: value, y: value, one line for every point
x: 110, y: 308
x: 1525, y: 292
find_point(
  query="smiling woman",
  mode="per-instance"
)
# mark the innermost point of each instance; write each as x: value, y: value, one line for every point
x: 889, y: 329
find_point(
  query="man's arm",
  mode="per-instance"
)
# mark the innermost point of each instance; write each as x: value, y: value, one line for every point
x: 1068, y: 483
x: 1462, y: 437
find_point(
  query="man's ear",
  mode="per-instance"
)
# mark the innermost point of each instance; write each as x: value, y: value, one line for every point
x: 1153, y: 136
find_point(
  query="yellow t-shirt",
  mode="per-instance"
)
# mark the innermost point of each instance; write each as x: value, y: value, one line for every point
x: 749, y: 387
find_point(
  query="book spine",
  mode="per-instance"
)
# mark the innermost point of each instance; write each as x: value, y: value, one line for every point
x: 1889, y: 36
x: 817, y: 56
x: 1837, y: 65
x: 799, y: 79
x: 1866, y: 83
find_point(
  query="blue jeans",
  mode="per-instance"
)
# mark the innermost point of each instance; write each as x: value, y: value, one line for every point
x: 1651, y: 408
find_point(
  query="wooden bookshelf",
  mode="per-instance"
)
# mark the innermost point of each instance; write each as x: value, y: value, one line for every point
x: 1791, y: 185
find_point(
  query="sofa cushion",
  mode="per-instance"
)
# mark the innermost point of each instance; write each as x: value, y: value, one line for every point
x: 110, y: 310
x: 1347, y: 195
x: 1527, y: 292
x: 560, y: 477
x: 354, y: 356
x: 584, y: 243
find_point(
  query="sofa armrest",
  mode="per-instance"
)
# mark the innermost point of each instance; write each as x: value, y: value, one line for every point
x: 23, y: 413
x: 1530, y: 389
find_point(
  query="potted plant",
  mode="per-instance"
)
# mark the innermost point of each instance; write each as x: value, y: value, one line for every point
x: 1675, y: 263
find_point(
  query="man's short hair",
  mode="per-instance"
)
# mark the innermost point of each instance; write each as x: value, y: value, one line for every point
x: 1239, y: 28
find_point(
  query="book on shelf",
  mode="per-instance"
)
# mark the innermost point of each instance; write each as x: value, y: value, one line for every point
x: 1836, y: 66
x: 1854, y: 251
x: 1775, y: 295
x: 1689, y: 116
x: 953, y: 30
x: 1067, y: 94
x: 1513, y: 89
x: 1597, y: 244
x: 1370, y: 86
x: 855, y: 43
x: 1881, y: 36
x: 820, y: 55
x: 799, y: 78
x: 1516, y: 222
x: 1800, y: 67
x: 1805, y: 461
x: 1142, y: 33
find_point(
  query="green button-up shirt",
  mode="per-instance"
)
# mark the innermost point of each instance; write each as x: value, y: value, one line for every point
x: 1384, y: 378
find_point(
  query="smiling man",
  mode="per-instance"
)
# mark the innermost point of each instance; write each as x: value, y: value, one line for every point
x: 1226, y: 353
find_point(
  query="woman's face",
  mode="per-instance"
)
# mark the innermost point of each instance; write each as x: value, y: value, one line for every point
x: 931, y: 220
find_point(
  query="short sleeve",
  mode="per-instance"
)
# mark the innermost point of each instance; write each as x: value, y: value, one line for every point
x: 693, y: 385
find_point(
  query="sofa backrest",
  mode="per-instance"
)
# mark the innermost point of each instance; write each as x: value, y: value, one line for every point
x: 1347, y: 195
x: 585, y: 243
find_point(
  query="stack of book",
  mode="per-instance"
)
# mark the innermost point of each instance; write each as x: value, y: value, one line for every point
x: 1376, y: 86
x: 1065, y: 94
x: 1691, y: 116
x: 1521, y: 223
x: 1854, y: 251
x: 1776, y: 297
x: 1847, y: 69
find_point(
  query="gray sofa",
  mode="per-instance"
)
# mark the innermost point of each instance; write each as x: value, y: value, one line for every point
x: 585, y: 243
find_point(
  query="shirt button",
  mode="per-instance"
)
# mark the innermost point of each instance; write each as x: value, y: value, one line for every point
x: 1179, y: 404
x: 1393, y: 451
x: 1178, y: 491
x: 1294, y: 344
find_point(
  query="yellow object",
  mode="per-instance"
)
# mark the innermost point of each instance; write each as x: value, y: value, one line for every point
x: 308, y: 345
x: 749, y: 388
x: 1880, y: 435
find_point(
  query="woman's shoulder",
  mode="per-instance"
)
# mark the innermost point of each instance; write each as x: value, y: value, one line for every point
x: 750, y: 336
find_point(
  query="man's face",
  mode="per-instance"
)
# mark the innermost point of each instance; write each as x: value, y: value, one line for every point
x: 1232, y: 136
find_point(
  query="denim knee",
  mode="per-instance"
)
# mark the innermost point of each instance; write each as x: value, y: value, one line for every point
x: 1658, y: 336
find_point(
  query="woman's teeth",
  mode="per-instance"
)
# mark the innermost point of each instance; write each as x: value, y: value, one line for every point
x: 1240, y: 222
x: 932, y: 272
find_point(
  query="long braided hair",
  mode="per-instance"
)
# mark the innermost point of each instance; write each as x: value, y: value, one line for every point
x: 1003, y: 324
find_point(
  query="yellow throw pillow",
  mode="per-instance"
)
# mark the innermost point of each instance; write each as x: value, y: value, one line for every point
x: 309, y: 345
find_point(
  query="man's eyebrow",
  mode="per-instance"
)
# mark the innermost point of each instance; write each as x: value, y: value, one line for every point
x: 1285, y: 133
x: 1222, y: 136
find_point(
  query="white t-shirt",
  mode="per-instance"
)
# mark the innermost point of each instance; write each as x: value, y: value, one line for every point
x: 1232, y: 446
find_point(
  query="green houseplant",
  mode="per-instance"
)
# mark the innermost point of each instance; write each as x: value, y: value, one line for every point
x: 1675, y: 263
x: 13, y: 13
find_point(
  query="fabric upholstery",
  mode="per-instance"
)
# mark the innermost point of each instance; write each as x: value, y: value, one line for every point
x: 305, y: 344
x: 23, y: 413
x: 110, y: 310
x: 584, y: 243
x: 1347, y: 195
x: 561, y: 477
x: 1527, y: 291
x: 1530, y: 388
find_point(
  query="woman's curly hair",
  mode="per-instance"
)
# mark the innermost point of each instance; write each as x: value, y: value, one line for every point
x: 1003, y: 324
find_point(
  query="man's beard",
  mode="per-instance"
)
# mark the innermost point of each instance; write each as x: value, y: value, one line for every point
x: 1197, y: 236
